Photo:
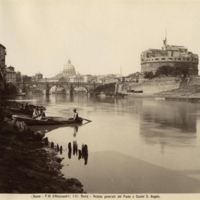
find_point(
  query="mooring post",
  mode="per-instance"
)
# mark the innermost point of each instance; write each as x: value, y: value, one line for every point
x: 52, y: 145
x: 61, y: 149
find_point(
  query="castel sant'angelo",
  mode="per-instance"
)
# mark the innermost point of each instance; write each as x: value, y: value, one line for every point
x: 170, y: 55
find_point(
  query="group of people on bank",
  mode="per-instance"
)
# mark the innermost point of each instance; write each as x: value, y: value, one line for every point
x: 36, y: 111
x: 39, y: 114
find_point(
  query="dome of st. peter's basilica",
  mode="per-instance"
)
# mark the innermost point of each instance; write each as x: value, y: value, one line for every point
x: 69, y: 69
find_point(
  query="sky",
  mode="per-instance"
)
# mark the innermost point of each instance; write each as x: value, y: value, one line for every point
x: 98, y: 36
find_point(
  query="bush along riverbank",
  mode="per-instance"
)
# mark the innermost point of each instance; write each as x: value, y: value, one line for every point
x: 29, y: 163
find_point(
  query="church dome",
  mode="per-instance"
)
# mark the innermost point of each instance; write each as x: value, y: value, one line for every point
x: 69, y: 69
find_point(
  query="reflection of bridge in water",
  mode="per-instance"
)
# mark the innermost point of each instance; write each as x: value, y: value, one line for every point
x: 67, y: 86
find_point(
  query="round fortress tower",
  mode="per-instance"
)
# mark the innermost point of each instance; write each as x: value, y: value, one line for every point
x: 169, y: 55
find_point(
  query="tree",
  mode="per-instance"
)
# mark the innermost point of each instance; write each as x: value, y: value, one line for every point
x: 10, y: 88
x: 165, y: 70
x: 149, y: 75
x: 178, y: 69
x: 181, y: 69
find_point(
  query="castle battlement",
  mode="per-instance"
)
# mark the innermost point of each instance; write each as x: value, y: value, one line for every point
x: 171, y: 55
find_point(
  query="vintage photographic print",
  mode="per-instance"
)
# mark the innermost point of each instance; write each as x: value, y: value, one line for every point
x: 99, y: 99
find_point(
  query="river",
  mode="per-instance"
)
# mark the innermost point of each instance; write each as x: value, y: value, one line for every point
x: 135, y: 145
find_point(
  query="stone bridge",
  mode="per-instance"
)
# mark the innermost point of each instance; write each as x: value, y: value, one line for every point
x: 67, y: 86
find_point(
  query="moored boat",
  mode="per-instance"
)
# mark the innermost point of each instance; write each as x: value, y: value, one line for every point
x: 46, y: 120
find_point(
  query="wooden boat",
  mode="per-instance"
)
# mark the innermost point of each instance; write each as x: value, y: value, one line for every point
x: 46, y: 120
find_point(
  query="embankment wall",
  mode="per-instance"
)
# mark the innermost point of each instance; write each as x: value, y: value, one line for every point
x: 152, y: 86
x: 160, y: 85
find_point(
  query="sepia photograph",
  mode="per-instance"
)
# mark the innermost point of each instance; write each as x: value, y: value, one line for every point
x: 99, y: 99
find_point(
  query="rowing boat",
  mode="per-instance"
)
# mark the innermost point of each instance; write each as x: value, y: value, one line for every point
x: 46, y: 120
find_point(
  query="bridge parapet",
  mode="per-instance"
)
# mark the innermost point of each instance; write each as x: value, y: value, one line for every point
x: 66, y: 85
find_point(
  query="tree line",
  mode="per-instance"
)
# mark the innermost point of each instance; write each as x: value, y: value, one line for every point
x: 167, y: 70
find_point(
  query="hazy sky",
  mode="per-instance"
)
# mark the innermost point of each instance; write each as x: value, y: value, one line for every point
x: 98, y: 36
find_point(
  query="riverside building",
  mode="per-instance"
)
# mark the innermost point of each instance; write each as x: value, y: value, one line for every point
x: 2, y: 66
x: 169, y: 55
x: 10, y: 75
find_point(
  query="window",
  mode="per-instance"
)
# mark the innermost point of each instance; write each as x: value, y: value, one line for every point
x: 163, y: 58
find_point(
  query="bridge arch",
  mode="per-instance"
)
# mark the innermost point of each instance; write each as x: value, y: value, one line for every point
x: 56, y: 89
x: 79, y: 88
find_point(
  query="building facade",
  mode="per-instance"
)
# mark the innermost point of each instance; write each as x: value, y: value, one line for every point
x: 2, y: 67
x: 169, y: 55
x: 10, y: 75
x: 37, y: 77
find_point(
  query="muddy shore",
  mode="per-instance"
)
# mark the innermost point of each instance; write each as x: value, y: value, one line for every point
x: 29, y: 164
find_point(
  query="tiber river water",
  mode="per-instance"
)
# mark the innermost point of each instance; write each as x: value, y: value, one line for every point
x: 135, y: 145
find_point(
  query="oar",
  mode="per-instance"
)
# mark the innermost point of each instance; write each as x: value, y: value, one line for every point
x: 86, y: 119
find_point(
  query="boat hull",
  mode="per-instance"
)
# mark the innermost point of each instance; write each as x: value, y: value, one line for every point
x: 46, y: 121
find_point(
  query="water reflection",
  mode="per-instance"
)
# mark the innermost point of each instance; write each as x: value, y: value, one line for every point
x: 169, y: 123
x: 75, y: 130
x: 81, y: 153
x: 46, y: 129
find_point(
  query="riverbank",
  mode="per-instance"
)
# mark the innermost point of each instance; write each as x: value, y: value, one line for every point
x: 29, y: 164
x: 190, y: 92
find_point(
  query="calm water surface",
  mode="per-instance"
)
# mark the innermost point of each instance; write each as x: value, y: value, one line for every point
x: 135, y: 145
